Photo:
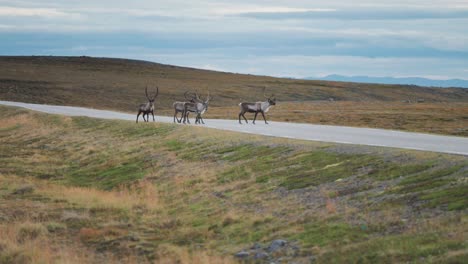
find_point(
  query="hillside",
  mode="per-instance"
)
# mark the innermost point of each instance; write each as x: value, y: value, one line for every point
x: 119, y: 84
x: 165, y: 193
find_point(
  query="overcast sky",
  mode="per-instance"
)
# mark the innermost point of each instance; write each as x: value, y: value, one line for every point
x: 424, y: 38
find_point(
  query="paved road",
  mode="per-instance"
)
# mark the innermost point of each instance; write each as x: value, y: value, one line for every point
x: 338, y: 134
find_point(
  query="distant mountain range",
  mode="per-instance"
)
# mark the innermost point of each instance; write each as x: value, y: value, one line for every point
x: 391, y: 80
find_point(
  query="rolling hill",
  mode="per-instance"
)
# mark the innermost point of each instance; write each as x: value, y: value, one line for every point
x: 119, y: 84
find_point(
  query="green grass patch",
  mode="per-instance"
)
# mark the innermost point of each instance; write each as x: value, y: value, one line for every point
x: 319, y: 167
x: 175, y: 145
x: 455, y: 198
x: 247, y: 152
x: 321, y: 234
x: 387, y: 171
x: 91, y: 124
x: 107, y: 177
x: 9, y: 129
x: 396, y: 248
x: 427, y: 180
x: 234, y: 174
x: 123, y: 128
x: 197, y: 152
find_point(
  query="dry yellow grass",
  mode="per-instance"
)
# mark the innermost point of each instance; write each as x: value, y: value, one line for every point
x: 141, y: 193
x: 173, y: 254
x: 28, y: 241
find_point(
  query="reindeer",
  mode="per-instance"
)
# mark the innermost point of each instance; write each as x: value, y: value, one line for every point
x: 198, y: 106
x: 147, y: 108
x: 202, y: 108
x: 179, y: 107
x: 257, y: 107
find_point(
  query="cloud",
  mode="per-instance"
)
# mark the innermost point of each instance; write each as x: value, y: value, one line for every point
x: 268, y: 37
x: 5, y: 27
x: 209, y: 67
x: 35, y: 12
x: 360, y: 14
x: 242, y: 10
x: 298, y: 66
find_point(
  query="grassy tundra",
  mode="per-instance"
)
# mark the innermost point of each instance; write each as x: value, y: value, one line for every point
x: 119, y: 84
x: 76, y: 190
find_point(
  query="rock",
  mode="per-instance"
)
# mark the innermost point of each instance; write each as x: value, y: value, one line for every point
x: 276, y: 244
x: 261, y: 255
x: 219, y: 195
x: 133, y: 237
x: 24, y: 189
x: 256, y: 246
x: 242, y: 254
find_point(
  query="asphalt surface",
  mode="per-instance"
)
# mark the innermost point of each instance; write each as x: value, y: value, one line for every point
x: 337, y: 134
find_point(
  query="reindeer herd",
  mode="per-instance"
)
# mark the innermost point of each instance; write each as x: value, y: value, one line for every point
x: 195, y: 104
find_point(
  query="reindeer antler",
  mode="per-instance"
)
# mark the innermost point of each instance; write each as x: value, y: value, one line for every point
x: 146, y: 92
x: 157, y: 92
x: 188, y: 93
x: 264, y: 88
x: 197, y: 97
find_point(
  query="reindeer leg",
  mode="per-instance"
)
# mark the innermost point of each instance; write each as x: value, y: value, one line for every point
x: 138, y: 116
x: 200, y: 119
x: 178, y: 120
x: 186, y: 119
x: 264, y: 117
x: 152, y: 113
x: 143, y: 115
x: 255, y: 117
x: 243, y: 115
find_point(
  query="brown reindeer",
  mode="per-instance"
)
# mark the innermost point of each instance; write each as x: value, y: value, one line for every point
x: 257, y: 107
x: 179, y: 107
x: 148, y: 107
x: 198, y: 106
